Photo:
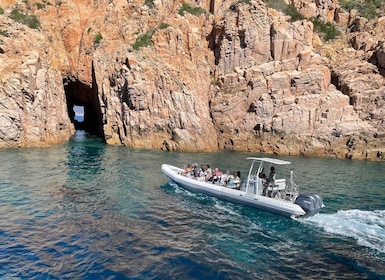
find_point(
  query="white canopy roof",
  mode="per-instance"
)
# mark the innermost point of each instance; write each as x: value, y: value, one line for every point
x: 270, y: 160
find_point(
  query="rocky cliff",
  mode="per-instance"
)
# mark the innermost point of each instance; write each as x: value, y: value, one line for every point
x: 193, y: 76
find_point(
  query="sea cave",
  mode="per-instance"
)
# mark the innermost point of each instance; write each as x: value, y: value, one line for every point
x: 83, y: 107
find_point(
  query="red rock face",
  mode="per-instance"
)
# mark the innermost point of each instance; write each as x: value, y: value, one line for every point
x: 241, y: 77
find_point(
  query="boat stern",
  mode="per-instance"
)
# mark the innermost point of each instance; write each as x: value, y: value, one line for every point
x: 311, y: 203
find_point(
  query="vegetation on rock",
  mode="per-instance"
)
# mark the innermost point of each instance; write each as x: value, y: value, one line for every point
x: 366, y: 8
x: 287, y: 9
x: 195, y: 11
x: 44, y: 4
x: 328, y: 31
x: 149, y: 3
x: 144, y: 40
x: 97, y: 39
x: 4, y: 33
x: 30, y: 20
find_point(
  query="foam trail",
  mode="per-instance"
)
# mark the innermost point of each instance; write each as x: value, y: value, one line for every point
x: 225, y: 208
x: 367, y: 227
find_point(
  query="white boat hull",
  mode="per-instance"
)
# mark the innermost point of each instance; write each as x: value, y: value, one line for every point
x: 277, y: 206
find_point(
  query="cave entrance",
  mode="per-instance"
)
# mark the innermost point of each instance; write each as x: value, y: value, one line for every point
x: 83, y: 107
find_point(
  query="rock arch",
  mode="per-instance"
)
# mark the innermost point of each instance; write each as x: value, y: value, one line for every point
x: 81, y: 94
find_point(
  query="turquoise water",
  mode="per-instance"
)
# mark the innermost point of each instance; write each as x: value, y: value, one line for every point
x: 83, y: 210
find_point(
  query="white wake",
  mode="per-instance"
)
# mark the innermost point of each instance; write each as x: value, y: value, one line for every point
x: 367, y: 227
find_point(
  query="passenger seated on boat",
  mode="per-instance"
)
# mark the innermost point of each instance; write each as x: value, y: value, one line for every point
x: 187, y: 170
x: 196, y: 170
x: 202, y: 173
x: 208, y: 173
x: 239, y: 180
x: 225, y: 178
x: 235, y: 180
x: 217, y: 176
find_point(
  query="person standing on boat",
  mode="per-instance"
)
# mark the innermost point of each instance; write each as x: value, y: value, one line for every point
x: 263, y: 178
x: 262, y: 174
x: 270, y: 180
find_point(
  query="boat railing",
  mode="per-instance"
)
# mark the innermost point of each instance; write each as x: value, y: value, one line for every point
x: 292, y: 190
x: 250, y: 182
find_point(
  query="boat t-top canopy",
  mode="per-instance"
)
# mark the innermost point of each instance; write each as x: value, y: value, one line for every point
x: 270, y: 160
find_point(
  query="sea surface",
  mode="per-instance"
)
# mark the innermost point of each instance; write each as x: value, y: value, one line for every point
x: 85, y: 210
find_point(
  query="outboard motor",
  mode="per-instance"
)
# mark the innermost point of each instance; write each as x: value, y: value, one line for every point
x: 311, y: 203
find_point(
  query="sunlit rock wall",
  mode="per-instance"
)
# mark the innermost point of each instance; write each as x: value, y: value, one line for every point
x: 239, y: 76
x: 33, y: 110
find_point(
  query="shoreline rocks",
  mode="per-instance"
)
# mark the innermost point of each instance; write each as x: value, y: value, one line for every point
x: 240, y: 77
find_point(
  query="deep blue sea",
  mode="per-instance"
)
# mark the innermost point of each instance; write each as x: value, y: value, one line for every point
x: 85, y: 210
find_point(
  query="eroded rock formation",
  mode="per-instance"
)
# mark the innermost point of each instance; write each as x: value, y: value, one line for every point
x: 33, y: 109
x: 240, y: 76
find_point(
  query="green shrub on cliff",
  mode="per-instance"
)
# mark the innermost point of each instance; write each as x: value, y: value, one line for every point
x: 30, y: 20
x: 293, y: 13
x: 290, y: 10
x: 144, y: 40
x: 327, y: 31
x: 42, y: 5
x: 149, y: 3
x: 366, y: 8
x: 1, y: 11
x: 163, y: 25
x: 4, y: 33
x: 97, y: 39
x: 279, y: 5
x: 195, y: 11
